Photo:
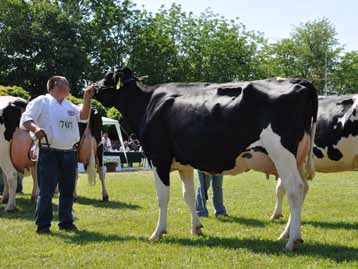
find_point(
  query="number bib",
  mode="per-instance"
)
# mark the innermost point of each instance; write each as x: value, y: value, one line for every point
x: 64, y: 122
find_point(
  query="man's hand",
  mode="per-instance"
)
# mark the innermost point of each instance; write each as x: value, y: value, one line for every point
x: 89, y: 92
x: 39, y: 133
x: 87, y: 95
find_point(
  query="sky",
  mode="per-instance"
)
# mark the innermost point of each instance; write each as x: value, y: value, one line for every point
x: 277, y: 18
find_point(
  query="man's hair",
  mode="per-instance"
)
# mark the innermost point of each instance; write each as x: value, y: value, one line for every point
x: 55, y: 80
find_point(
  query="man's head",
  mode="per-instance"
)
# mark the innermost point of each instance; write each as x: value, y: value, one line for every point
x: 59, y: 87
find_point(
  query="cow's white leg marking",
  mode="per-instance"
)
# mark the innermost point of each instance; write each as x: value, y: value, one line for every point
x: 102, y: 177
x: 163, y: 199
x: 280, y: 192
x: 187, y: 177
x: 286, y: 166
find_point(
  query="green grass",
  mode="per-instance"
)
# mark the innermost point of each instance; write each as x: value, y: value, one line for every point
x: 114, y: 234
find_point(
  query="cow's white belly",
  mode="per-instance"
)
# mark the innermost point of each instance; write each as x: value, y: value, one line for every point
x: 257, y: 161
x: 349, y: 148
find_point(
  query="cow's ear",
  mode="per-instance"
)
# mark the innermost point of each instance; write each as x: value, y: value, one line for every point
x: 117, y: 80
x: 119, y: 84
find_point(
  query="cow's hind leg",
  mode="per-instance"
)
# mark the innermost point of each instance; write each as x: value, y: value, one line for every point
x: 280, y: 192
x: 187, y: 178
x: 5, y: 191
x: 285, y: 233
x: 163, y: 199
x: 294, y: 185
x: 102, y: 177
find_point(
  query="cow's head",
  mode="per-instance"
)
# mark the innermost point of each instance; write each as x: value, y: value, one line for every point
x: 11, y: 117
x: 113, y: 85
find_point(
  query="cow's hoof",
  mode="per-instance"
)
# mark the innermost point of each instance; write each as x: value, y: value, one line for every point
x: 10, y: 209
x: 197, y: 230
x: 157, y: 235
x: 276, y: 216
x: 105, y: 198
x: 292, y: 246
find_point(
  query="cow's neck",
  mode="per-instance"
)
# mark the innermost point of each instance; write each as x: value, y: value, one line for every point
x: 134, y: 104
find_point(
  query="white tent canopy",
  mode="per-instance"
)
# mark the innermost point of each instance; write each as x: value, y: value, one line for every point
x: 108, y: 121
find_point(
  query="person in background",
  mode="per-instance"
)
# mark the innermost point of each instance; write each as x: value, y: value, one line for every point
x: 106, y: 142
x: 54, y: 121
x: 202, y: 195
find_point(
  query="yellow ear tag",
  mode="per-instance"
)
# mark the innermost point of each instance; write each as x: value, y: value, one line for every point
x: 119, y: 84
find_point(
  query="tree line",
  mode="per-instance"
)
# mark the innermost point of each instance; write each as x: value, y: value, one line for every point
x: 83, y: 39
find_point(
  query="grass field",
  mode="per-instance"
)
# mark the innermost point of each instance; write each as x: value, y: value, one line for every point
x: 114, y: 234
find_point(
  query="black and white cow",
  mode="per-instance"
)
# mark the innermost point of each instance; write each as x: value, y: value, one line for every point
x: 336, y: 141
x: 96, y: 162
x: 11, y: 109
x: 221, y: 129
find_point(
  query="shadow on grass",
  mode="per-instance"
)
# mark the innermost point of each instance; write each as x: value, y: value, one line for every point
x: 260, y: 246
x: 109, y: 204
x: 243, y: 221
x: 85, y: 237
x: 334, y: 252
x: 332, y: 225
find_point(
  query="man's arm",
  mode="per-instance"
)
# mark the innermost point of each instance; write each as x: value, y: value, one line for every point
x: 86, y: 107
x: 32, y: 127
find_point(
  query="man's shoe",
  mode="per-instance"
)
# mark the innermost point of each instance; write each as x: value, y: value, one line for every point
x: 221, y: 215
x: 68, y: 227
x: 43, y: 230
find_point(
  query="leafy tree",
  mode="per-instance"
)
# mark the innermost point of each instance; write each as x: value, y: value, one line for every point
x: 37, y: 40
x: 345, y: 77
x: 178, y: 46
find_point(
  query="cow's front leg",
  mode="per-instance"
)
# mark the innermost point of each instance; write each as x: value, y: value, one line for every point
x: 280, y: 192
x: 163, y: 199
x: 187, y: 178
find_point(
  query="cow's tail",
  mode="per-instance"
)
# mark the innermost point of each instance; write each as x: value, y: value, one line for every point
x: 91, y: 168
x: 310, y: 167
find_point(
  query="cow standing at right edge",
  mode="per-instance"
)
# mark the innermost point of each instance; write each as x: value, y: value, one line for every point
x: 336, y: 141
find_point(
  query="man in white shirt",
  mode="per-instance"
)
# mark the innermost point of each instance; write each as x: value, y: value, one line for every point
x: 54, y: 121
x: 106, y: 142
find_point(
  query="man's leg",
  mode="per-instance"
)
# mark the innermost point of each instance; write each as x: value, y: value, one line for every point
x: 66, y: 185
x: 201, y: 195
x: 218, y: 200
x: 47, y: 176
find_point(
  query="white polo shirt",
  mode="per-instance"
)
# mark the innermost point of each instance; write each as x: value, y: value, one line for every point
x: 59, y: 120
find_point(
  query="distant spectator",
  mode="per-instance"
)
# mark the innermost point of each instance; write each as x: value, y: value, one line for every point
x: 107, y: 145
x: 125, y: 148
